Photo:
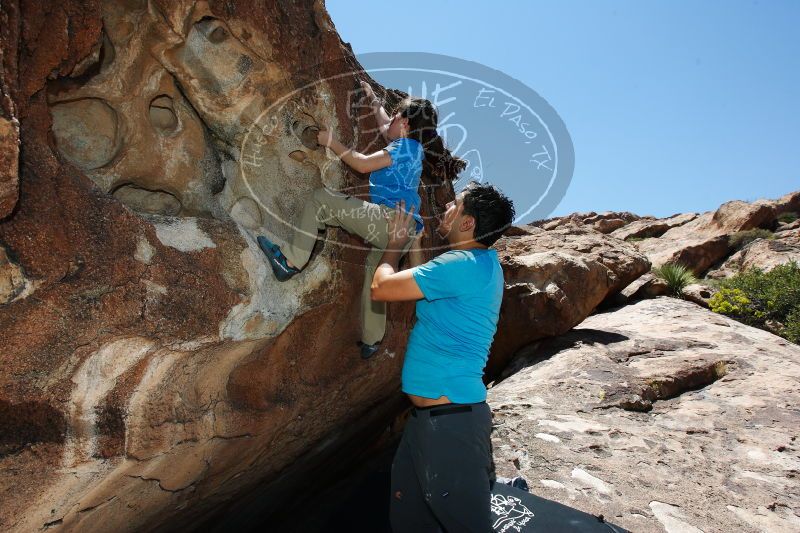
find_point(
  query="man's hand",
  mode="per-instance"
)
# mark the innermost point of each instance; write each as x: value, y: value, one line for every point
x: 325, y: 136
x: 447, y: 220
x: 399, y: 234
x: 389, y: 285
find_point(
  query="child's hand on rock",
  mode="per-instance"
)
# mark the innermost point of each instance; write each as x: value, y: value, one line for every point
x: 368, y: 92
x: 325, y: 136
x: 449, y: 217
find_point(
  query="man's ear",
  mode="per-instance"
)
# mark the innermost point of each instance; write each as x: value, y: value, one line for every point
x: 467, y: 223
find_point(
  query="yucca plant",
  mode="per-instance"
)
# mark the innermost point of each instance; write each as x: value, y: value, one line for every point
x: 676, y: 276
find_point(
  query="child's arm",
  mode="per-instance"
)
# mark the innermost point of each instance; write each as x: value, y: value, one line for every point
x: 381, y: 117
x: 355, y: 160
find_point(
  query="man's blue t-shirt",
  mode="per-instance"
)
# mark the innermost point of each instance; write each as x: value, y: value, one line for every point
x: 400, y: 180
x: 456, y: 323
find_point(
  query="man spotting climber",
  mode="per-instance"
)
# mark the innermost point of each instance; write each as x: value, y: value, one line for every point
x: 443, y: 469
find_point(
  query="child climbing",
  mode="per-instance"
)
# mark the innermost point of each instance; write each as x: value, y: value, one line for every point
x: 394, y: 176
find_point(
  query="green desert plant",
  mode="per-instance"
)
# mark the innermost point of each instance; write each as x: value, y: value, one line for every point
x: 677, y: 277
x: 741, y: 238
x: 756, y: 297
x: 714, y: 283
x: 786, y: 218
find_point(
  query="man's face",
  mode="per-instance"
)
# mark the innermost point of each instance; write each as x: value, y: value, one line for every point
x: 450, y: 225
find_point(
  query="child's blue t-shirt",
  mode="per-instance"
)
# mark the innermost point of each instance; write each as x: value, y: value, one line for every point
x: 400, y: 180
x: 456, y: 322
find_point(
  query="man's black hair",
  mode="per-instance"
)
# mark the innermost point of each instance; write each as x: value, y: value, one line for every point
x: 492, y: 210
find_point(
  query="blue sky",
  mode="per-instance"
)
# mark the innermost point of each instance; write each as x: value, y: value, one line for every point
x: 672, y: 106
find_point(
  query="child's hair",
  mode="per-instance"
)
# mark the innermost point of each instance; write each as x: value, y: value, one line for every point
x: 492, y: 210
x: 423, y: 118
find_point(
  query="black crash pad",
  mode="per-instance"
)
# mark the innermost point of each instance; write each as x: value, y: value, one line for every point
x: 517, y: 511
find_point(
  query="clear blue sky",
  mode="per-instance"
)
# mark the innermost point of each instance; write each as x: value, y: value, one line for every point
x: 672, y: 106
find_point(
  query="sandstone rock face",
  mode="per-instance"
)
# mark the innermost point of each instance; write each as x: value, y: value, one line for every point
x: 13, y: 283
x: 788, y: 227
x: 189, y: 114
x: 703, y: 241
x: 9, y: 155
x: 660, y: 415
x: 554, y: 279
x: 153, y: 368
x: 647, y: 286
x: 765, y: 254
x: 699, y: 294
x: 788, y: 203
x: 652, y: 227
x: 605, y: 222
x: 9, y: 136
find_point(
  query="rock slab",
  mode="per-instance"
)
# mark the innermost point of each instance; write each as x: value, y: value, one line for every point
x: 661, y: 416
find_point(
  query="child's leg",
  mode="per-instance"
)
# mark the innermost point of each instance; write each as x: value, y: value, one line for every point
x: 331, y: 208
x: 373, y: 314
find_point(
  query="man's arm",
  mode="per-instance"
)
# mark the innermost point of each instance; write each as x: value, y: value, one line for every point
x: 389, y: 285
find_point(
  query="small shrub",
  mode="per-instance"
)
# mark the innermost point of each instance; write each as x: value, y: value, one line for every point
x: 791, y: 330
x: 714, y: 283
x: 634, y: 239
x: 786, y: 218
x: 732, y: 302
x: 677, y: 277
x: 756, y: 297
x: 741, y: 238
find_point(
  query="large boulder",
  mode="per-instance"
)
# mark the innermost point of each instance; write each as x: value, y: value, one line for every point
x: 152, y: 367
x: 9, y: 155
x: 704, y: 241
x: 605, y: 222
x: 9, y: 130
x: 645, y: 227
x: 661, y: 416
x: 554, y: 279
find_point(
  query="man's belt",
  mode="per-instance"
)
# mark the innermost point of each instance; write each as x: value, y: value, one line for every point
x: 440, y: 410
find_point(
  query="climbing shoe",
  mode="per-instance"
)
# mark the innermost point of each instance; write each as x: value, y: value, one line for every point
x: 276, y: 259
x: 368, y: 350
x: 516, y: 482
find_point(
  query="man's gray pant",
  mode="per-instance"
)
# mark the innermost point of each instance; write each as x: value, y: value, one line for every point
x: 443, y: 470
